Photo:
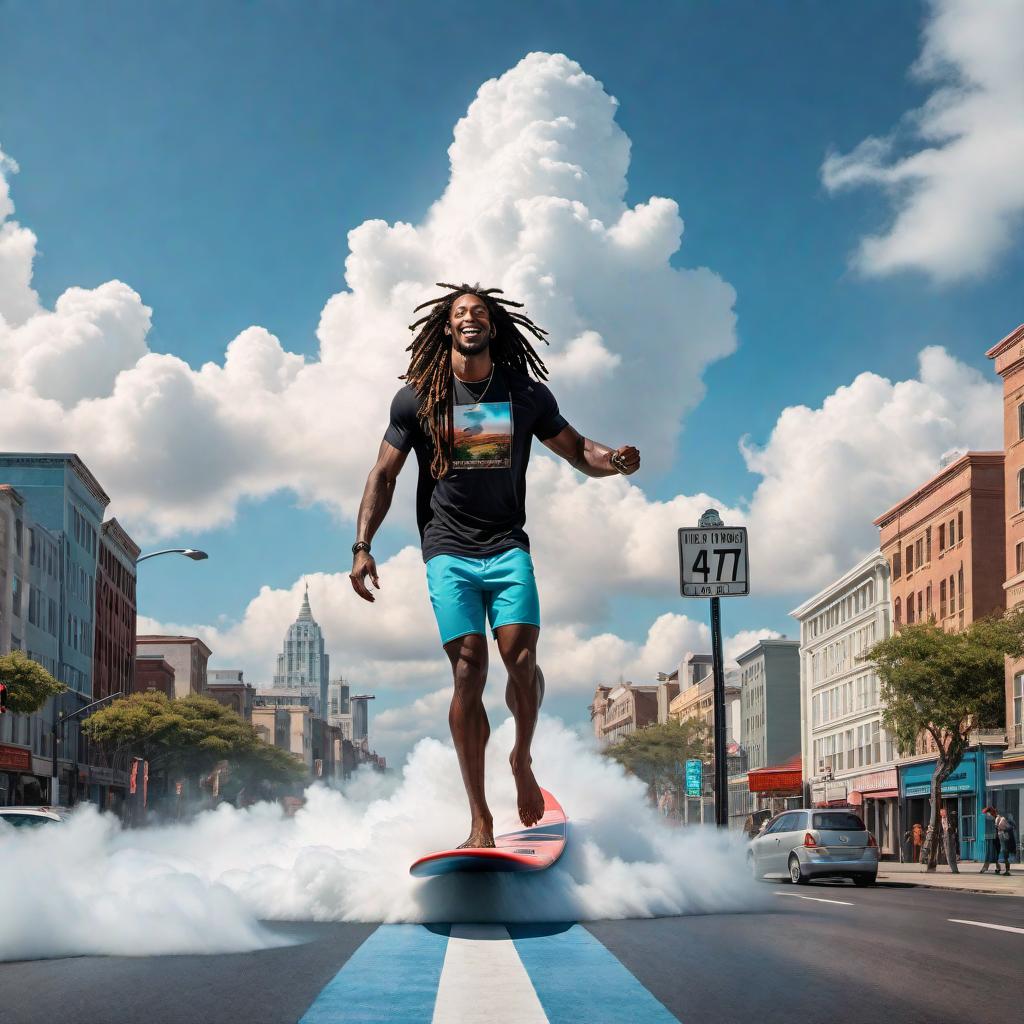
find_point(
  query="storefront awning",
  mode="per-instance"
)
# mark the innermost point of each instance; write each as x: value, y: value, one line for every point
x: 882, y: 794
x: 783, y: 778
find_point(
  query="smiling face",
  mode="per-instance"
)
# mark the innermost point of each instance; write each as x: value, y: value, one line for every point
x: 469, y: 325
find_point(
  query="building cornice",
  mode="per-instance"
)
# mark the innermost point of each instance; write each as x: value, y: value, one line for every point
x: 967, y: 461
x: 864, y: 569
x: 1015, y: 336
x: 61, y: 459
x: 117, y: 534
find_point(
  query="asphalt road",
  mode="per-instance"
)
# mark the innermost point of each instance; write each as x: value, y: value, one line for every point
x: 828, y: 953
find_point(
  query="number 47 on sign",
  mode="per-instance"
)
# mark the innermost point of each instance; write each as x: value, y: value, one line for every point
x: 713, y: 562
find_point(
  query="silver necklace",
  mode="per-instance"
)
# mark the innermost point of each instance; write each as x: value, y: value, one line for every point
x: 466, y: 383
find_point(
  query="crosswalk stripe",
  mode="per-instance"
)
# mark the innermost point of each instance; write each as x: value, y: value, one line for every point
x: 577, y: 979
x: 483, y: 981
x: 391, y: 978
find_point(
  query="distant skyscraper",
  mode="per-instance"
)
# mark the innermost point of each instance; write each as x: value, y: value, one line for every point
x: 302, y: 665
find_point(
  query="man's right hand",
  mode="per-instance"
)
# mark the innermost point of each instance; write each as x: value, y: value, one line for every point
x: 363, y: 565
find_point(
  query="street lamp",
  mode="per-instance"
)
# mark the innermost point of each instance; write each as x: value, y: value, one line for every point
x: 196, y: 556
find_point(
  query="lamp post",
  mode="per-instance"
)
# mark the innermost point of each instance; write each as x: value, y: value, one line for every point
x: 193, y: 553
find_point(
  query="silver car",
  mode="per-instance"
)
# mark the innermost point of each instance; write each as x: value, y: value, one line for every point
x: 815, y: 843
x: 31, y: 817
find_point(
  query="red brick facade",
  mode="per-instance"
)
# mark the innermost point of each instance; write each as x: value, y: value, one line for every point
x: 1009, y: 364
x: 113, y: 664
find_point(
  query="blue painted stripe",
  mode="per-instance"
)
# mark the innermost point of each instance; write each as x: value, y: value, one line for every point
x: 578, y: 979
x: 392, y: 977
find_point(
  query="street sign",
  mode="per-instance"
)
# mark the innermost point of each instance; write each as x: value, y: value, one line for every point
x: 713, y: 561
x: 694, y: 777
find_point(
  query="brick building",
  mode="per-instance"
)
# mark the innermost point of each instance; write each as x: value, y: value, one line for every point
x: 187, y: 655
x: 1006, y: 775
x: 945, y: 545
x: 154, y: 672
x: 113, y: 663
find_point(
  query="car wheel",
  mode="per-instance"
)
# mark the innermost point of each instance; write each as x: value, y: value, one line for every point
x: 863, y: 880
x: 796, y: 872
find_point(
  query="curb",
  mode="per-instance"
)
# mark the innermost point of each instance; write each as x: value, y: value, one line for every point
x: 896, y: 880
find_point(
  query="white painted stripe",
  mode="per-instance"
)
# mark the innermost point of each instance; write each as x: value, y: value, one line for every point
x: 483, y: 981
x: 985, y: 924
x: 817, y: 899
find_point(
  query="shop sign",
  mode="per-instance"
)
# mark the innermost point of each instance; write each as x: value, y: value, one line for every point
x: 15, y: 759
x: 916, y: 779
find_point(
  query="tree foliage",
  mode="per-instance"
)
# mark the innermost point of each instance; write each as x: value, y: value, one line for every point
x: 655, y: 754
x: 188, y: 736
x: 29, y: 685
x: 945, y: 684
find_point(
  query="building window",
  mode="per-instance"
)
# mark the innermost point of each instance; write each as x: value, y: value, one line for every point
x: 1019, y: 552
x: 942, y: 536
x: 920, y: 606
x: 928, y: 600
x: 960, y: 585
x: 1020, y: 422
x: 928, y: 544
x: 896, y: 567
x: 952, y: 595
x: 960, y: 525
x: 896, y: 612
x: 952, y: 532
x: 910, y: 609
x: 910, y: 554
x: 1018, y: 710
x: 942, y: 599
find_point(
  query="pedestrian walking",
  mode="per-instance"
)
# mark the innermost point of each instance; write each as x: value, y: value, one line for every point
x: 991, y: 841
x: 951, y: 842
x: 1006, y: 836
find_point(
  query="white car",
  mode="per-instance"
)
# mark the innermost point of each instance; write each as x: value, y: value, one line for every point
x: 32, y: 817
x: 815, y: 843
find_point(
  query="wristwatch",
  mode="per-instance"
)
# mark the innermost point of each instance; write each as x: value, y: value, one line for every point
x: 360, y: 545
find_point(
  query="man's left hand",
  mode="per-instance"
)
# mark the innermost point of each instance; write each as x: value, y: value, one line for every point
x: 626, y: 460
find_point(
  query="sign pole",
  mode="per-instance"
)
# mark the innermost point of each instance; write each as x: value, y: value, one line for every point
x: 721, y: 756
x: 713, y: 563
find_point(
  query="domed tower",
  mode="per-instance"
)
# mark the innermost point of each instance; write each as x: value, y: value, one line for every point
x: 302, y: 665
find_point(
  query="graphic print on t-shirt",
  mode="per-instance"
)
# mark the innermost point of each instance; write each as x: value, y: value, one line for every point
x: 483, y: 436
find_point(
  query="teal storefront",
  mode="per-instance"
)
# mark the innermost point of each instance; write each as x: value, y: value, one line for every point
x: 963, y: 796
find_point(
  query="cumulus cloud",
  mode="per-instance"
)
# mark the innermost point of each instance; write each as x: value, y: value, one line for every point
x: 958, y: 194
x: 827, y: 473
x: 535, y: 203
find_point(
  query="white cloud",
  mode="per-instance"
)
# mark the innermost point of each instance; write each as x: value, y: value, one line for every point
x: 535, y: 204
x: 958, y: 198
x: 827, y: 473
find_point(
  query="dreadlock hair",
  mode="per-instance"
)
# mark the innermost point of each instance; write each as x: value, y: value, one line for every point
x: 430, y: 365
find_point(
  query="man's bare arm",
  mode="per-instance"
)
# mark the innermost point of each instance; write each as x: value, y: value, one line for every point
x: 377, y: 495
x: 591, y: 457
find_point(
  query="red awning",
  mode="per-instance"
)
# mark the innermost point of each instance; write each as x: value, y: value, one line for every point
x: 881, y: 794
x: 783, y: 778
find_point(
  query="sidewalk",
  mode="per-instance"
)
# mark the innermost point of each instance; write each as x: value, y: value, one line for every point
x: 970, y: 878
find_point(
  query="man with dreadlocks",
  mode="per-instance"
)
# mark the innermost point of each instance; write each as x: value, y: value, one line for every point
x: 473, y: 402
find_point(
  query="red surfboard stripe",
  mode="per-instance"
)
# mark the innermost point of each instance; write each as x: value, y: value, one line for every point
x: 531, y: 849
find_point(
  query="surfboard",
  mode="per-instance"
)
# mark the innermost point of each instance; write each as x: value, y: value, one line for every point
x: 526, y: 849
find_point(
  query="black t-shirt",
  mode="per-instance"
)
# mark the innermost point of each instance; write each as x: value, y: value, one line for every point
x: 479, y: 508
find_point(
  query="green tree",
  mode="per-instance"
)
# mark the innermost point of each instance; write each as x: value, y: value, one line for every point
x: 29, y: 685
x: 189, y: 736
x: 945, y: 684
x: 656, y: 753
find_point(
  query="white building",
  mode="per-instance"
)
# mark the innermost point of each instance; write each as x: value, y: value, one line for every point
x: 303, y: 665
x: 848, y: 757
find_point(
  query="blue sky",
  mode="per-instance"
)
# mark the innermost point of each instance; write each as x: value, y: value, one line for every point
x: 214, y: 157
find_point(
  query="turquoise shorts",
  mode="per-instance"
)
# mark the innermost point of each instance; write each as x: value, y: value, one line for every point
x: 469, y: 592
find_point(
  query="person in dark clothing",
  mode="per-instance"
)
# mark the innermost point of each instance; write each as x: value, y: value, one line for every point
x: 1006, y: 836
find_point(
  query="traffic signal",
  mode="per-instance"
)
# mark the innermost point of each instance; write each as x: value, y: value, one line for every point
x: 3, y: 699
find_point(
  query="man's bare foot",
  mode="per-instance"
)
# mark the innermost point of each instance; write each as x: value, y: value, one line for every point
x: 528, y: 795
x: 481, y: 837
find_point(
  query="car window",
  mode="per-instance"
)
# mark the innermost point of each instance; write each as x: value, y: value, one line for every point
x: 774, y: 826
x: 25, y: 820
x: 792, y: 821
x: 838, y: 822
